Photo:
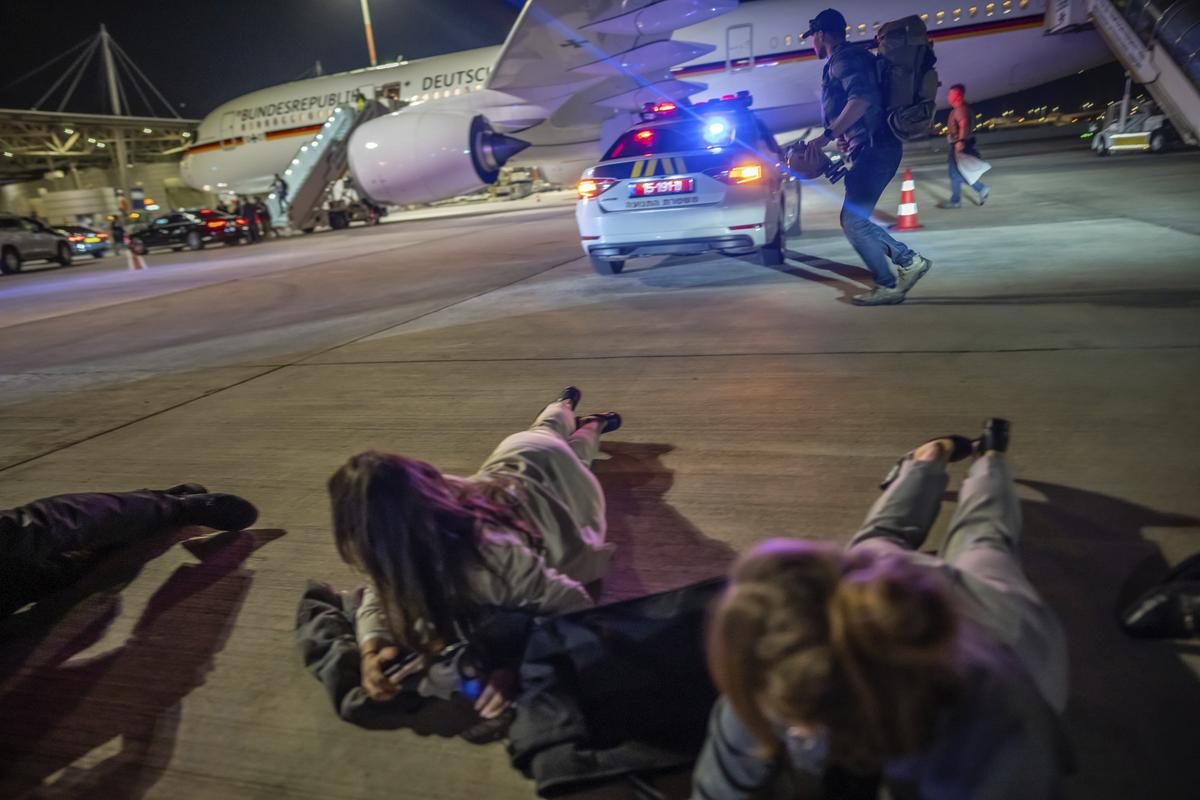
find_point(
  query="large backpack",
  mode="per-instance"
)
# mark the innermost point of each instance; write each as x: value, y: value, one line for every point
x: 907, y: 79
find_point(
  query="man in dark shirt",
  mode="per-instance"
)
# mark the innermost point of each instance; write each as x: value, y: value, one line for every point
x: 852, y: 108
x: 960, y: 133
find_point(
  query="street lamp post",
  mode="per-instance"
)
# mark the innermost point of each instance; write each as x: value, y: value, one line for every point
x: 366, y: 14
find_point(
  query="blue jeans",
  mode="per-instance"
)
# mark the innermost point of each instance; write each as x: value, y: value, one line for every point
x: 956, y: 178
x: 873, y: 168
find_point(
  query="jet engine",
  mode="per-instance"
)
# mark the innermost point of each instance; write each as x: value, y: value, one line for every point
x: 416, y: 156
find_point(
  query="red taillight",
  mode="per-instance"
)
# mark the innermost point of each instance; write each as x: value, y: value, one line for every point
x: 216, y: 223
x: 75, y: 238
x: 102, y: 235
x: 663, y: 107
x: 744, y: 173
x: 644, y: 136
x: 593, y: 187
x: 240, y: 221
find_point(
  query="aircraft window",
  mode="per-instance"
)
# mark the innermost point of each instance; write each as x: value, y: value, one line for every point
x: 425, y: 97
x: 957, y: 14
x: 875, y: 25
x: 991, y: 8
x: 925, y: 18
x: 974, y: 10
x: 1007, y: 6
x: 457, y: 91
x: 787, y: 40
x: 1024, y: 3
x: 941, y: 17
x: 479, y: 87
x: 862, y: 28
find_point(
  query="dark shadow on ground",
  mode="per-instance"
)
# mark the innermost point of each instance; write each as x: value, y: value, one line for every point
x: 852, y: 280
x: 1133, y: 298
x: 56, y: 714
x: 657, y: 547
x: 1134, y: 704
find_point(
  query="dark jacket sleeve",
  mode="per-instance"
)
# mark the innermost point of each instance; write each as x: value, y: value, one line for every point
x: 856, y: 71
x: 728, y: 768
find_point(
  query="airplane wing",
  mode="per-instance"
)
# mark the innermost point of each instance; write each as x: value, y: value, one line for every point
x: 569, y: 66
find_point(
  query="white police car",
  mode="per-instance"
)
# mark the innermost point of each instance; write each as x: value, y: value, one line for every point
x: 689, y: 179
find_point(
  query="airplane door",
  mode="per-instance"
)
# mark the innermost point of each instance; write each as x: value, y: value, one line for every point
x: 228, y: 129
x: 739, y: 47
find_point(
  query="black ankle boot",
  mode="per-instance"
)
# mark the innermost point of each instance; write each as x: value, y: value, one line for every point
x: 184, y: 489
x: 571, y: 396
x: 224, y: 512
x: 609, y: 421
x: 995, y: 436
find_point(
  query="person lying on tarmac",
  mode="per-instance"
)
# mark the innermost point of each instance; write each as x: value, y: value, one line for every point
x: 49, y: 544
x: 852, y: 108
x: 527, y: 531
x: 943, y: 677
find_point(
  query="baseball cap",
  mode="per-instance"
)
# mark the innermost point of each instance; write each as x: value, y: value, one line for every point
x: 829, y: 20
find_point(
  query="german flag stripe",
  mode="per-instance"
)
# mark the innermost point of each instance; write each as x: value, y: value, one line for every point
x: 303, y: 130
x: 935, y: 36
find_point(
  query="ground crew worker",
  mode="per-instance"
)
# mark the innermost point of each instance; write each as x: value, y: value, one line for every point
x: 117, y: 233
x: 264, y: 217
x: 960, y: 133
x: 249, y: 212
x: 280, y: 188
x: 852, y: 108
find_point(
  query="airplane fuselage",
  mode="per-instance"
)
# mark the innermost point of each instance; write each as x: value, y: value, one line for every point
x: 992, y: 48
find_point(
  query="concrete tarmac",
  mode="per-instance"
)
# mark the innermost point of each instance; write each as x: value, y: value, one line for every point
x: 757, y: 402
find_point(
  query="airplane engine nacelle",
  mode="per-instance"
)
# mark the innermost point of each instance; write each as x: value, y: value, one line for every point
x: 417, y: 156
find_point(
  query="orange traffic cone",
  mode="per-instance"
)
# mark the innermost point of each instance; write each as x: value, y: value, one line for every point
x: 906, y: 215
x: 135, y: 260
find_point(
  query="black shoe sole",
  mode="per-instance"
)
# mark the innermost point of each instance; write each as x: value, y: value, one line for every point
x: 610, y: 421
x: 571, y: 395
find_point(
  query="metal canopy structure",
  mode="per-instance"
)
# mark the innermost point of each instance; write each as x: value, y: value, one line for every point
x: 36, y: 141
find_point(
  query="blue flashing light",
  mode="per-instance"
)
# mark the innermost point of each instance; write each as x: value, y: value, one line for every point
x: 716, y: 131
x: 472, y: 688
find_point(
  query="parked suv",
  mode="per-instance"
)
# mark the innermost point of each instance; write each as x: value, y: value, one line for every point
x: 23, y: 239
x: 190, y: 229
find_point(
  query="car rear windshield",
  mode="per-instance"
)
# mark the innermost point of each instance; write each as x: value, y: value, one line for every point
x: 677, y: 137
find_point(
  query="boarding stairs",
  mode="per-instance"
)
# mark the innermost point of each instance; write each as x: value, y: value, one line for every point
x: 317, y: 166
x: 1157, y: 41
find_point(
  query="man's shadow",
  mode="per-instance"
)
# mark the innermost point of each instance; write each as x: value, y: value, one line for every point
x: 850, y: 280
x: 1134, y: 704
x: 57, y: 713
x: 657, y: 547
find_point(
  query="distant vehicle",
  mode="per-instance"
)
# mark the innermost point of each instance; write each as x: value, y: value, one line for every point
x: 190, y: 229
x: 688, y: 179
x: 85, y: 240
x: 23, y: 239
x: 1146, y: 130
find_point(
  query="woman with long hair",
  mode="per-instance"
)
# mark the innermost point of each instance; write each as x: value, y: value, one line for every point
x: 525, y: 532
x: 940, y: 677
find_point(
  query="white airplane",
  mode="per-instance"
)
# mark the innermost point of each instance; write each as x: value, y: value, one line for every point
x: 571, y: 76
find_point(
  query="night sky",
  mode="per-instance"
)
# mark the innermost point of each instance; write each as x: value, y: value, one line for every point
x: 201, y: 54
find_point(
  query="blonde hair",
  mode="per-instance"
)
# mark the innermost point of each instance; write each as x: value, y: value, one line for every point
x: 864, y: 645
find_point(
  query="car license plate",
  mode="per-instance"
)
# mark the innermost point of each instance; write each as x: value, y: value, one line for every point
x: 92, y: 239
x: 669, y: 186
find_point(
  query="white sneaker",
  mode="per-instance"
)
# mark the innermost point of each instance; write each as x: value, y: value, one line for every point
x: 880, y: 296
x: 907, y: 277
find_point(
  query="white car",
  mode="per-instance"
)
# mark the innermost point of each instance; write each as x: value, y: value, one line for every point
x: 689, y: 179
